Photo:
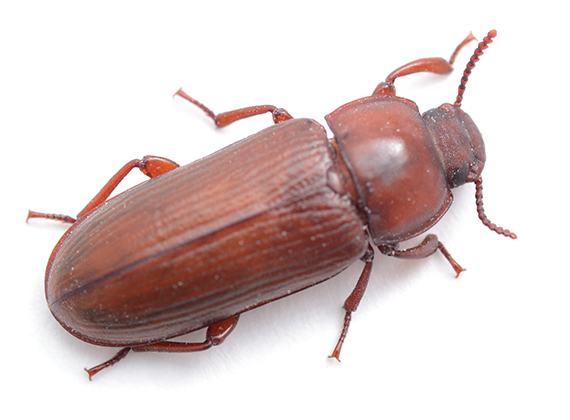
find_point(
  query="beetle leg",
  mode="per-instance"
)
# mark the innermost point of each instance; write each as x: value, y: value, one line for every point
x: 428, y: 247
x: 151, y: 166
x: 226, y: 118
x: 215, y: 335
x: 436, y: 65
x: 351, y: 303
x: 116, y: 358
x: 61, y: 217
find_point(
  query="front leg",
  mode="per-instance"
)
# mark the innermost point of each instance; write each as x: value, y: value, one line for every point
x: 436, y: 65
x: 428, y: 247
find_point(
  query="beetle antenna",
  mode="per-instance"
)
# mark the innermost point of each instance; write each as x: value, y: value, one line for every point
x: 471, y: 64
x: 483, y: 216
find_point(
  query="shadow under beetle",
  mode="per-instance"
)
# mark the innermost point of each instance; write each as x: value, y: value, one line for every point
x: 268, y: 216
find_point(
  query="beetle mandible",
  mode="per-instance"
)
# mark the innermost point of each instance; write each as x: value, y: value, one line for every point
x: 270, y: 215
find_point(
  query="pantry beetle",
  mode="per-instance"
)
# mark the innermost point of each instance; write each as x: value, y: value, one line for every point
x: 270, y: 215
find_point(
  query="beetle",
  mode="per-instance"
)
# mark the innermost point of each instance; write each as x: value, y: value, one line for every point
x: 270, y: 215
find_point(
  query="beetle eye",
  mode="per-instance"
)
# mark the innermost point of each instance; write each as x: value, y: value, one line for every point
x: 460, y: 176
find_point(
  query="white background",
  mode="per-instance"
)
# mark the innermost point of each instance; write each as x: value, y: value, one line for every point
x: 84, y: 89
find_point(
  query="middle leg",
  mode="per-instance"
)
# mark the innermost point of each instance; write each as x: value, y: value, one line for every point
x: 226, y: 118
x: 351, y: 303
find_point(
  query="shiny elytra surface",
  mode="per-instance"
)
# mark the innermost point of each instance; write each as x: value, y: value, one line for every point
x: 251, y: 223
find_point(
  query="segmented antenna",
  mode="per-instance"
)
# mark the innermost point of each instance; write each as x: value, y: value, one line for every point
x: 483, y: 216
x: 471, y: 64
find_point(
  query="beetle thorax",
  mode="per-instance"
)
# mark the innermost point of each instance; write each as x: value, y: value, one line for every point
x: 395, y: 166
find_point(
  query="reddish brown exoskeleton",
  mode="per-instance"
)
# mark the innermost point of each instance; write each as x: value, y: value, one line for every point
x: 270, y: 215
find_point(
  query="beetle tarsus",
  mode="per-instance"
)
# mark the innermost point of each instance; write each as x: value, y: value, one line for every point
x: 51, y: 216
x: 116, y: 358
x: 458, y: 269
x: 467, y: 40
x: 336, y: 352
x: 200, y: 105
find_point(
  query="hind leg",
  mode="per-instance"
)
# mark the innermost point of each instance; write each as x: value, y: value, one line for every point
x: 215, y: 335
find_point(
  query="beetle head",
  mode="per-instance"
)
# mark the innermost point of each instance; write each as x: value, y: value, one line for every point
x: 456, y: 136
x: 459, y: 142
